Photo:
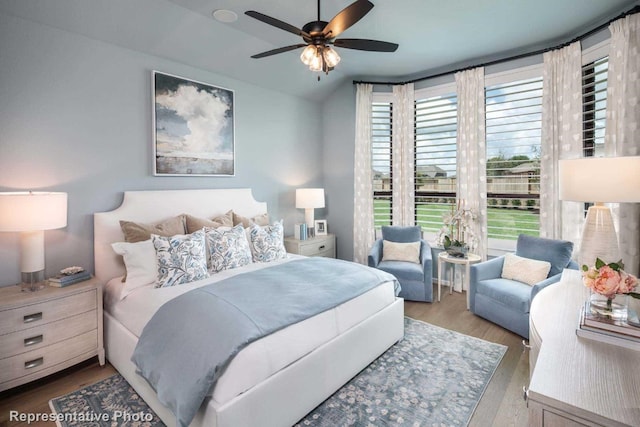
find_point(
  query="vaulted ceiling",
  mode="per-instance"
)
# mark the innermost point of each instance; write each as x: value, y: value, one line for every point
x: 433, y: 35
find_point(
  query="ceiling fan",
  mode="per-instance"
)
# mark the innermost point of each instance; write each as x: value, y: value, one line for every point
x: 319, y: 35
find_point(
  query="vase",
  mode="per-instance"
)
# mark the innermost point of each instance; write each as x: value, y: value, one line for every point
x: 457, y: 251
x: 614, y: 308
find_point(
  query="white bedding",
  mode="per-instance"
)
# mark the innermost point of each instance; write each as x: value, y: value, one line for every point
x: 264, y: 357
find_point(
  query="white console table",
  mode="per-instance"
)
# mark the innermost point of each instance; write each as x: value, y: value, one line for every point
x: 577, y: 381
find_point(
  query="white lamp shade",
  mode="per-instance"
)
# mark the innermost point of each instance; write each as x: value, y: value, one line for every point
x: 309, y: 198
x: 32, y: 211
x: 600, y: 179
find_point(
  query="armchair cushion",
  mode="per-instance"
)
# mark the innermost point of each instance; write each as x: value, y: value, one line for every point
x: 525, y: 270
x: 401, y: 234
x: 556, y: 252
x: 393, y: 251
x: 516, y: 295
x: 404, y: 271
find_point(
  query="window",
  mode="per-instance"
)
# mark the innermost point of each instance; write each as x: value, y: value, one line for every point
x: 381, y: 139
x: 513, y: 134
x: 435, y: 159
x: 594, y: 106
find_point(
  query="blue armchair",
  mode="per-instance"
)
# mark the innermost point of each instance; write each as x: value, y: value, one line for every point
x: 506, y: 302
x: 415, y: 279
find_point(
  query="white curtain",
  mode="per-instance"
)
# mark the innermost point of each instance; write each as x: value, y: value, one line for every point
x: 622, y: 136
x: 363, y: 226
x: 403, y: 195
x: 561, y: 139
x: 471, y: 152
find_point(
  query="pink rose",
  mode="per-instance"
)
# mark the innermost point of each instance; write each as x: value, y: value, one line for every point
x: 589, y: 278
x: 627, y: 283
x: 608, y: 282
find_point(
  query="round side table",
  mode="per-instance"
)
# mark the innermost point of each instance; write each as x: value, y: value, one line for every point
x: 443, y: 258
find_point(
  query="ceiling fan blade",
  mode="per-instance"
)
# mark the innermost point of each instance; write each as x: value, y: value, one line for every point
x: 346, y: 18
x: 364, y: 44
x: 276, y: 23
x: 279, y: 50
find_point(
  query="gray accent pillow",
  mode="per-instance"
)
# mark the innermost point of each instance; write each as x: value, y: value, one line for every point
x: 194, y: 223
x: 137, y: 232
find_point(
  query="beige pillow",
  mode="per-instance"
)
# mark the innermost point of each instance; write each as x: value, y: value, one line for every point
x: 194, y: 223
x: 525, y: 270
x: 260, y: 220
x: 135, y: 232
x: 393, y: 251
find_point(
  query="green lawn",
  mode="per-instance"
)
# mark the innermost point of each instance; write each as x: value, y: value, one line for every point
x: 503, y: 223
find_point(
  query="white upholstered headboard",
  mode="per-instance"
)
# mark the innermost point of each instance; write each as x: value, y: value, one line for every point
x: 155, y: 206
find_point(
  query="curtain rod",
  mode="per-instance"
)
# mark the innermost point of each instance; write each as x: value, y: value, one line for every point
x: 634, y: 10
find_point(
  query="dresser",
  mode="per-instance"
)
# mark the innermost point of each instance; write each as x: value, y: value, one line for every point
x: 317, y: 246
x: 49, y: 330
x: 576, y: 381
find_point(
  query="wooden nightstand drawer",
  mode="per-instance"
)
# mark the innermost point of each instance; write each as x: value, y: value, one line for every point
x: 41, y: 336
x: 316, y: 248
x: 29, y: 316
x: 30, y: 362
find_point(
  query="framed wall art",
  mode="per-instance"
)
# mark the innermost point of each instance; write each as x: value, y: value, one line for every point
x: 193, y: 128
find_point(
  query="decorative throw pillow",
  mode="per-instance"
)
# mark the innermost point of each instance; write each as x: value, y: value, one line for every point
x: 181, y: 259
x: 136, y: 232
x: 262, y: 220
x: 525, y: 270
x: 393, y: 251
x: 228, y: 248
x: 194, y: 223
x: 140, y: 264
x: 267, y: 243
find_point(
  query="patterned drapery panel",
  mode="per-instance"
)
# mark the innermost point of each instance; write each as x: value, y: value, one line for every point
x: 403, y: 155
x: 363, y: 227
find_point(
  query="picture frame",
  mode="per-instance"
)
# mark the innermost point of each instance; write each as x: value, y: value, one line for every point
x: 193, y: 127
x: 320, y: 227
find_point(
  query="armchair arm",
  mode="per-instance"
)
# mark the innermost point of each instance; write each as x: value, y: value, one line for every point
x: 427, y: 262
x: 375, y: 254
x: 546, y: 282
x: 491, y: 269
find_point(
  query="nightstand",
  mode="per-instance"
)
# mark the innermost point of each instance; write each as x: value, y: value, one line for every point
x: 49, y: 330
x: 317, y: 246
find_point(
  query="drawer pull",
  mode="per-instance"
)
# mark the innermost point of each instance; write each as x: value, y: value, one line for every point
x: 34, y: 363
x: 33, y: 340
x: 525, y: 345
x: 32, y: 317
x: 525, y: 394
x: 322, y: 247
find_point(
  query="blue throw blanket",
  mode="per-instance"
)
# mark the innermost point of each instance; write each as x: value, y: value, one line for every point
x: 190, y: 340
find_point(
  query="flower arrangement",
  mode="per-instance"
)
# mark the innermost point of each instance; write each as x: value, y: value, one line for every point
x: 457, y: 229
x: 609, y: 280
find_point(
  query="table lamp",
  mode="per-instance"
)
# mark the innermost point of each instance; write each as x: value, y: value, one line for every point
x: 30, y: 213
x: 600, y: 180
x: 309, y: 199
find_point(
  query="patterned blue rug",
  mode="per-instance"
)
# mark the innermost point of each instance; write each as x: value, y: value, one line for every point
x: 433, y: 377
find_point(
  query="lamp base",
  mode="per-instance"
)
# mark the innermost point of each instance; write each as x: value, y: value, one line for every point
x: 32, y: 281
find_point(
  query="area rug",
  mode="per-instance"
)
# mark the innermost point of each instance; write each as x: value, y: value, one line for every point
x: 432, y: 377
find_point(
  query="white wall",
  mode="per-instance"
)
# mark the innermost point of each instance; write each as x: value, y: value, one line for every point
x: 75, y: 116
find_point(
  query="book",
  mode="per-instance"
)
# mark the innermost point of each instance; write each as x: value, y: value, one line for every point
x: 601, y: 323
x: 63, y: 280
x: 605, y: 336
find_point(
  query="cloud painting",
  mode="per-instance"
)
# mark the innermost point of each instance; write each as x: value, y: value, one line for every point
x: 194, y: 127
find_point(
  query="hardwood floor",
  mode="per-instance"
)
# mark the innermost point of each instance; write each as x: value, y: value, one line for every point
x: 501, y: 404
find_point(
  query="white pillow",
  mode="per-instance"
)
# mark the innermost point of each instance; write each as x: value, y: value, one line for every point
x: 394, y: 251
x: 140, y: 263
x: 525, y: 270
x: 267, y: 242
x: 181, y: 258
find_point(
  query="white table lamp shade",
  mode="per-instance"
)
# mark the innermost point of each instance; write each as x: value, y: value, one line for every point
x: 309, y: 199
x: 30, y: 213
x: 600, y: 180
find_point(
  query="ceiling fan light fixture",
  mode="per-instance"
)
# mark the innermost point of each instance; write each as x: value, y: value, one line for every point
x: 331, y: 57
x: 316, y: 62
x: 308, y: 54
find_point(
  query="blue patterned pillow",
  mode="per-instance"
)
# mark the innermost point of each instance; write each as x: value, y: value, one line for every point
x: 267, y: 242
x: 228, y: 248
x: 181, y: 259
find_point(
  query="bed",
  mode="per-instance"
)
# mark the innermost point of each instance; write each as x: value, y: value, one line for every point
x: 274, y: 381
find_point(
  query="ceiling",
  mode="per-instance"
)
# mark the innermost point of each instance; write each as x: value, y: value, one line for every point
x: 434, y: 35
